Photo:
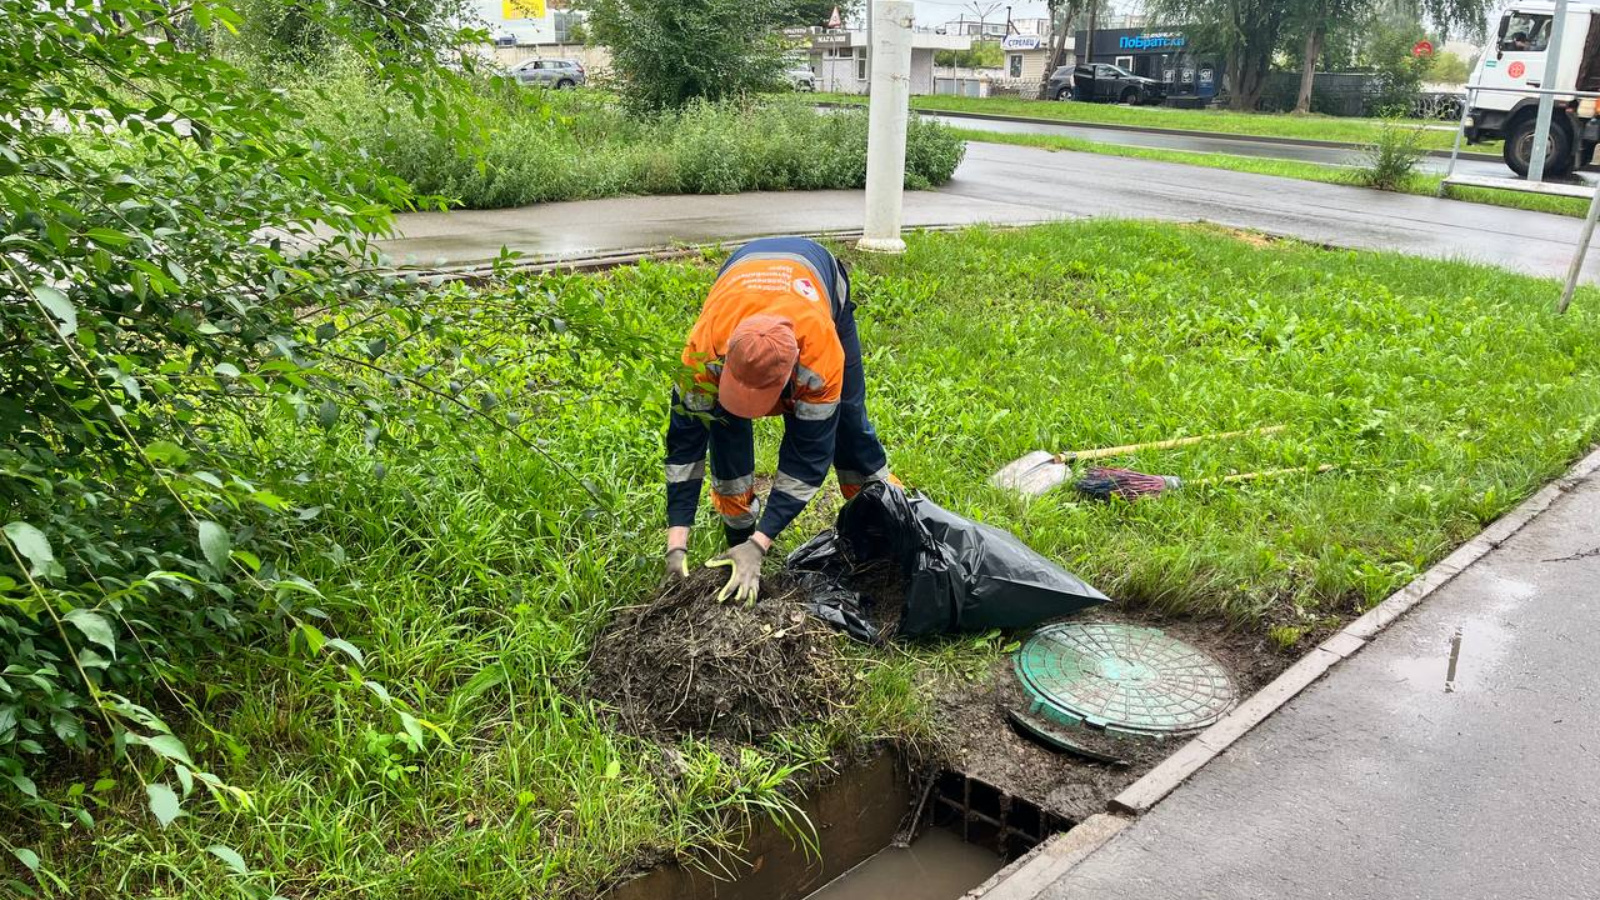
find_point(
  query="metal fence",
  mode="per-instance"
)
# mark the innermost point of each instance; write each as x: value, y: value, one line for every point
x: 963, y: 87
x: 1332, y: 93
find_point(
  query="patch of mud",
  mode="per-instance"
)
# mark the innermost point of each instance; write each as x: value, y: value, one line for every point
x: 981, y: 741
x: 682, y: 663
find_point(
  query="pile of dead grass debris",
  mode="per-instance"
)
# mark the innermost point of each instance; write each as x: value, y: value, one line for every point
x: 684, y: 664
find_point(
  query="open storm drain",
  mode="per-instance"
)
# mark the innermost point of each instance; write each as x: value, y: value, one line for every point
x: 1119, y: 680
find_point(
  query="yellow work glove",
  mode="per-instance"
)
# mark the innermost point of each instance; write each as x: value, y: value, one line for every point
x: 744, y: 583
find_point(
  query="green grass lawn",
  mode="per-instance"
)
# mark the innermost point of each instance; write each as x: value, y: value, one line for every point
x: 1422, y: 184
x: 1285, y: 125
x: 473, y: 571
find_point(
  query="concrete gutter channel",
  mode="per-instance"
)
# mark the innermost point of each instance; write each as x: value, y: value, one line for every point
x: 1173, y: 132
x: 1030, y: 875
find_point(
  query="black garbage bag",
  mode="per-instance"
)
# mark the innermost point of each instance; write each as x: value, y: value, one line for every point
x: 959, y: 575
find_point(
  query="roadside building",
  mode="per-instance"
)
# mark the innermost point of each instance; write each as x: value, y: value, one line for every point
x: 974, y: 28
x: 839, y: 59
x: 526, y: 22
x: 1027, y: 55
x: 529, y: 29
x: 1039, y: 26
x: 1159, y: 53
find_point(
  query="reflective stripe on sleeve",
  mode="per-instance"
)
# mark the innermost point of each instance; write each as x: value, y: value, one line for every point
x: 815, y: 412
x: 808, y: 380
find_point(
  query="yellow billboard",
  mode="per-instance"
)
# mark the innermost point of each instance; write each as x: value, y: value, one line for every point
x: 522, y: 9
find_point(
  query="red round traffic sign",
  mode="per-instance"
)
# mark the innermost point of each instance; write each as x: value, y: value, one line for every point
x: 1422, y: 48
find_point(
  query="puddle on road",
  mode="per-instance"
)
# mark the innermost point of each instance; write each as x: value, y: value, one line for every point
x: 938, y: 866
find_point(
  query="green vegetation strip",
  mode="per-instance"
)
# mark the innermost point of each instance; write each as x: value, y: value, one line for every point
x: 474, y: 574
x: 538, y: 146
x: 1281, y: 125
x: 1425, y: 185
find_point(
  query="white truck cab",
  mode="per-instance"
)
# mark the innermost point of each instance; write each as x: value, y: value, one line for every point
x: 1515, y: 58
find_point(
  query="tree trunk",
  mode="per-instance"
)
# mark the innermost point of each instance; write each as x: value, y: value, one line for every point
x: 1058, y: 45
x: 1252, y: 77
x: 1308, y: 69
x: 1086, y: 54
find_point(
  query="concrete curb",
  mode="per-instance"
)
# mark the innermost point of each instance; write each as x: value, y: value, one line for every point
x: 1175, y: 132
x: 477, y: 271
x: 1053, y: 859
x: 1043, y: 865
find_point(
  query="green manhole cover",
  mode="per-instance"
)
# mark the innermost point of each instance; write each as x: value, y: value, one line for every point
x: 1123, y: 679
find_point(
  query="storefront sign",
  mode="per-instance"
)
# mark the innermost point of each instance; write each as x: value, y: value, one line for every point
x: 830, y: 40
x: 1020, y: 42
x: 1152, y: 42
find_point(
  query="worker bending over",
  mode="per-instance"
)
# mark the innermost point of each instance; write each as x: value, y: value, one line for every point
x: 776, y: 337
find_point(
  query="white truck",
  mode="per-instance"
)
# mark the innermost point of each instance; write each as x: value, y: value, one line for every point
x: 1516, y: 59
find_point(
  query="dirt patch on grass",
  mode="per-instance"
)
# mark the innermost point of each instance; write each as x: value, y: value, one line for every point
x: 682, y: 663
x: 980, y: 740
x: 1257, y: 239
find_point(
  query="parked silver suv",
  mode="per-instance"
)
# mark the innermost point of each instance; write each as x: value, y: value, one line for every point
x: 557, y: 73
x: 801, y: 78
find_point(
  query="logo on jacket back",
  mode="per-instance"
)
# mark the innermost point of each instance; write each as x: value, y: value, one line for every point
x: 806, y: 288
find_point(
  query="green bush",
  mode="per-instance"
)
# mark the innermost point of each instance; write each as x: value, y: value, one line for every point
x: 1391, y: 160
x: 669, y: 55
x: 158, y: 293
x: 546, y: 146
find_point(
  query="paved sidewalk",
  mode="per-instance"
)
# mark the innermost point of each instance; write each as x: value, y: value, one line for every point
x: 1457, y: 757
x: 1009, y: 185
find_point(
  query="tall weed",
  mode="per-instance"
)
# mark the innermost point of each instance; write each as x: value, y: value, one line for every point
x: 539, y: 147
x: 1391, y: 159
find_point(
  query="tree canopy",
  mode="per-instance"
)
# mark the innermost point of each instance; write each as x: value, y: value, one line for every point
x: 817, y: 12
x: 1250, y: 33
x: 670, y: 54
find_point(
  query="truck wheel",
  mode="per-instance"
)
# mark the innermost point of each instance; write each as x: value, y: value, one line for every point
x: 1519, y: 148
x: 1131, y: 96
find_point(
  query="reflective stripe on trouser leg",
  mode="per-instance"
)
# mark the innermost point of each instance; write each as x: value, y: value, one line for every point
x: 678, y: 473
x: 733, y: 487
x: 794, y: 487
x: 851, y: 482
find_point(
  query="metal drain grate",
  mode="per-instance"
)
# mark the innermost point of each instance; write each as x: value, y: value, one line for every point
x: 1126, y: 680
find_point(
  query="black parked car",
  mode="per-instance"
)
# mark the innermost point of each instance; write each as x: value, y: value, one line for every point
x: 1103, y: 83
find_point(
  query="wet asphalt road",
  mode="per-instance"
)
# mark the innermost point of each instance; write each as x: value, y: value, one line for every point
x: 1455, y: 757
x: 1188, y: 143
x: 1003, y: 184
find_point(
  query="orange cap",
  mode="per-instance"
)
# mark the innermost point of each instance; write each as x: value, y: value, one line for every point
x: 762, y: 353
